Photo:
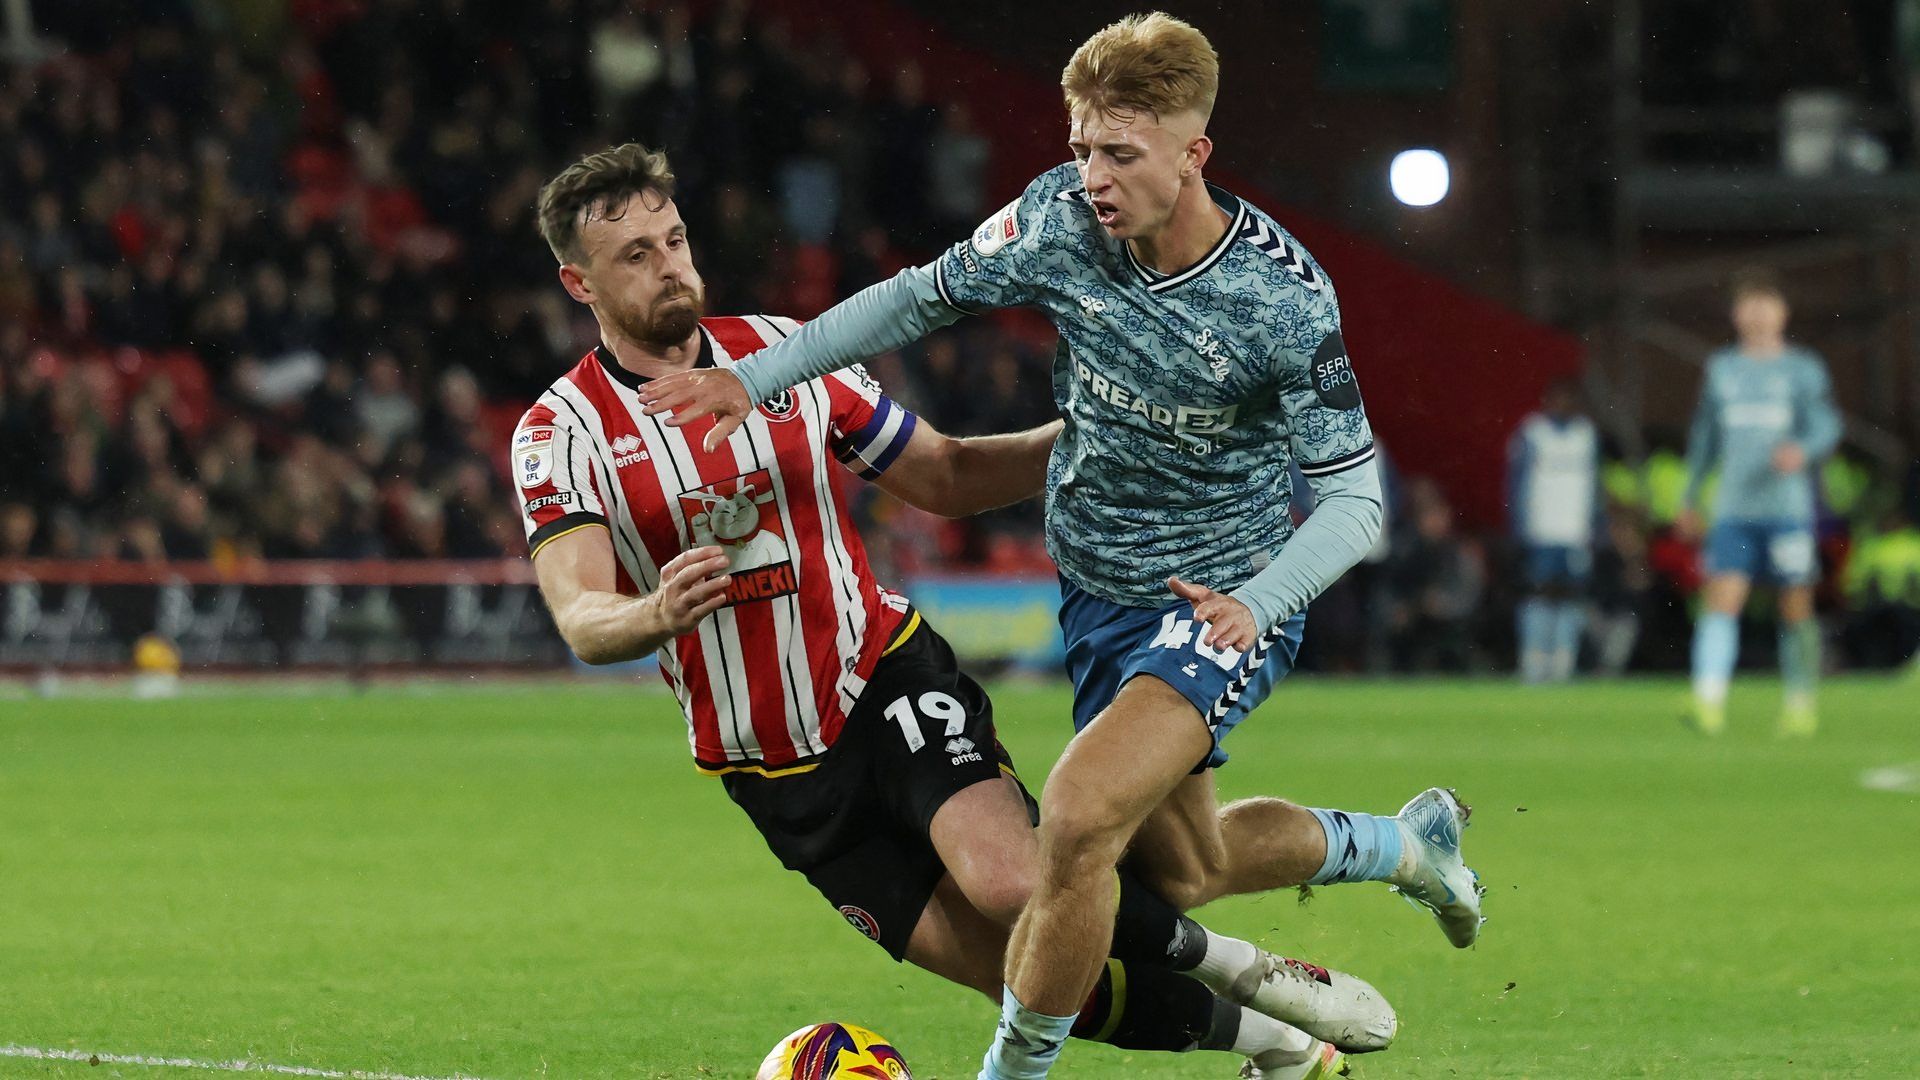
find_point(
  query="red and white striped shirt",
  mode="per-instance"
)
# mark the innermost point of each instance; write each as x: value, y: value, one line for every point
x: 766, y: 682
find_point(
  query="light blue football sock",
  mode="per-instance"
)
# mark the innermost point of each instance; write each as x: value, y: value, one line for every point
x: 1535, y: 627
x: 1716, y: 648
x: 1027, y: 1042
x: 1800, y: 659
x: 1360, y: 847
x: 1569, y: 623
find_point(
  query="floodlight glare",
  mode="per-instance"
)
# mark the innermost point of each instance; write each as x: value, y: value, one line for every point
x: 1419, y: 177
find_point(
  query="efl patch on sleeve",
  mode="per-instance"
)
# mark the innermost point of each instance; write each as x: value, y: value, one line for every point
x: 998, y: 231
x: 534, y: 465
x: 1333, y: 381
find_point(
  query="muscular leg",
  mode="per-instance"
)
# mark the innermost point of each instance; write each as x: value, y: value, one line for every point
x: 992, y: 855
x: 1193, y: 854
x: 989, y: 847
x: 990, y: 851
x: 1192, y: 851
x: 958, y: 943
x: 1109, y: 779
x: 1132, y: 1007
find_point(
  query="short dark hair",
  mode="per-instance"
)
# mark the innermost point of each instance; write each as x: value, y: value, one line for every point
x: 600, y: 183
x: 1755, y: 281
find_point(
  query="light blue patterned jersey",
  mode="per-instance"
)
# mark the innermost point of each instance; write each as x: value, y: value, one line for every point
x: 1185, y: 396
x: 1748, y: 407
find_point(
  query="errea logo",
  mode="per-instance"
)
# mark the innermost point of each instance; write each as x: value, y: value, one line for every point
x: 1092, y: 305
x: 626, y: 451
x: 962, y: 749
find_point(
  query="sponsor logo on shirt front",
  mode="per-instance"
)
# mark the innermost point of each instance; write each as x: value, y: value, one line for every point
x: 742, y: 517
x: 1182, y: 420
x: 1767, y: 415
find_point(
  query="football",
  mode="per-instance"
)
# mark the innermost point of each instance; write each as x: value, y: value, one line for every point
x: 825, y: 1051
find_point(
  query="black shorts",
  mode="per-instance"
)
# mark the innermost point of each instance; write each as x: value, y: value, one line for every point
x: 857, y: 824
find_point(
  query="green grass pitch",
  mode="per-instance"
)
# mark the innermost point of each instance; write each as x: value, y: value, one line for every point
x: 511, y: 883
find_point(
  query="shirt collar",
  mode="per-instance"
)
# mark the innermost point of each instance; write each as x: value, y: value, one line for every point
x: 632, y: 380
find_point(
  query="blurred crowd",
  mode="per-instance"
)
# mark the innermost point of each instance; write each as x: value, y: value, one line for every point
x: 267, y: 288
x: 1433, y: 597
x: 270, y: 287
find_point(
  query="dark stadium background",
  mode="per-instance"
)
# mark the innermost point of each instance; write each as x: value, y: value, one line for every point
x: 295, y: 773
x: 271, y: 296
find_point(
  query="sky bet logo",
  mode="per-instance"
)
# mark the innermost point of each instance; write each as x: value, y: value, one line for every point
x: 1180, y: 419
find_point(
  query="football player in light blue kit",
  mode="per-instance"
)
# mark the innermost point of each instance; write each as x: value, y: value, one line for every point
x: 1766, y: 419
x: 1200, y: 354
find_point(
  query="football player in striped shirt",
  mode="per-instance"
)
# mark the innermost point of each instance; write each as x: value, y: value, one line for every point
x: 834, y: 716
x: 1200, y: 356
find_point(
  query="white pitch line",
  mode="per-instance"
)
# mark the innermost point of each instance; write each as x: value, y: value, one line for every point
x: 1900, y: 779
x: 40, y: 1053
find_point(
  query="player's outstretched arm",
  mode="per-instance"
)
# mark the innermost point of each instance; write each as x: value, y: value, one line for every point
x: 603, y: 627
x: 960, y: 477
x: 877, y: 319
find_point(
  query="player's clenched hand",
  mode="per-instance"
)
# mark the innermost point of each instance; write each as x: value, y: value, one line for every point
x: 689, y: 395
x: 1229, y: 622
x: 1788, y: 457
x: 693, y: 585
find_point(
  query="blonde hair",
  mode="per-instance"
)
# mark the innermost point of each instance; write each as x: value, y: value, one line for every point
x: 1153, y: 63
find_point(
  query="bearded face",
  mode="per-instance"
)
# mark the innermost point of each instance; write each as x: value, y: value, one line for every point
x: 665, y: 319
x: 638, y: 272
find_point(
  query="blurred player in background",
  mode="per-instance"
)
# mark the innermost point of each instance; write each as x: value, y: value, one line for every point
x: 1553, y: 493
x: 1765, y: 420
x: 1200, y: 355
x: 835, y: 717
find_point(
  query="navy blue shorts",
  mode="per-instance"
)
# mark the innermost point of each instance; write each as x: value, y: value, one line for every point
x: 1108, y: 644
x: 1763, y: 549
x: 1558, y: 565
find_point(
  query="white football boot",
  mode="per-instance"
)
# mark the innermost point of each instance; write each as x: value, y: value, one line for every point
x: 1333, y: 1006
x: 1316, y: 1062
x: 1431, y: 872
